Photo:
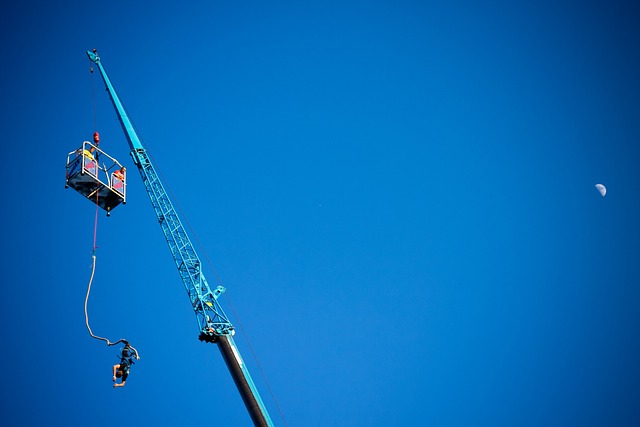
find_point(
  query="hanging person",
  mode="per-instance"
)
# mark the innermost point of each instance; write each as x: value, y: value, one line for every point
x: 121, y: 370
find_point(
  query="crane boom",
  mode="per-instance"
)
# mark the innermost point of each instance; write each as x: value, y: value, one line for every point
x: 213, y: 324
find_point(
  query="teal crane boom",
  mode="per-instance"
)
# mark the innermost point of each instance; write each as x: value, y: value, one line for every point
x: 213, y: 324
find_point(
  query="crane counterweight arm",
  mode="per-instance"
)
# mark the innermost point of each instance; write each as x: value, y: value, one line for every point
x: 213, y: 324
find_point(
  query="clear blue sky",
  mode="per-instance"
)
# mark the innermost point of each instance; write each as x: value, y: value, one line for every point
x: 398, y: 195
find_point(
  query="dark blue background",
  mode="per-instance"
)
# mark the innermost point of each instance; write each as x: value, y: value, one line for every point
x: 398, y: 195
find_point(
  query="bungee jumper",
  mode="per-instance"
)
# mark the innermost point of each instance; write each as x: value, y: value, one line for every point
x: 122, y: 369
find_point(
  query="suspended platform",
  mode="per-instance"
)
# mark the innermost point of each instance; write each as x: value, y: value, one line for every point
x: 97, y: 176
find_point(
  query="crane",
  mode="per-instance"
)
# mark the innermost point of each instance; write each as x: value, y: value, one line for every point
x: 213, y: 325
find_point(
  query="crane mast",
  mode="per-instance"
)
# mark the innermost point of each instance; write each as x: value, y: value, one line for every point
x: 213, y: 324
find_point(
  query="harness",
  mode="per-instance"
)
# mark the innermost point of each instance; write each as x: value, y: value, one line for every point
x: 126, y: 359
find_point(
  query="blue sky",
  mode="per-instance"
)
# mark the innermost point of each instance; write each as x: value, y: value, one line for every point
x: 399, y: 197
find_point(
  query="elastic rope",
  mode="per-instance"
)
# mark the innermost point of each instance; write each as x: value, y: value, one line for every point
x: 86, y: 298
x: 95, y: 226
x: 86, y: 313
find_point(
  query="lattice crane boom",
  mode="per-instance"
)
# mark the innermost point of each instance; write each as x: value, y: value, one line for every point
x: 214, y: 326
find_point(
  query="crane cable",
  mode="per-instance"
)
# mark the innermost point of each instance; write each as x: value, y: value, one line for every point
x: 215, y: 272
x: 246, y: 337
x: 93, y: 98
x: 255, y: 357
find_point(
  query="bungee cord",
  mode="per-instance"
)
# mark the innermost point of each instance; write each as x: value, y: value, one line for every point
x: 86, y: 299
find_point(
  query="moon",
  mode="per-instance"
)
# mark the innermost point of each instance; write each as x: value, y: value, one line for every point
x: 601, y: 189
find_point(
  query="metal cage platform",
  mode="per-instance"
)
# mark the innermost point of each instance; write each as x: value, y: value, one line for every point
x: 105, y: 185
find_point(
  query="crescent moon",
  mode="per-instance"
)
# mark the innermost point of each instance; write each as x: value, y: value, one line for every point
x: 601, y: 189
